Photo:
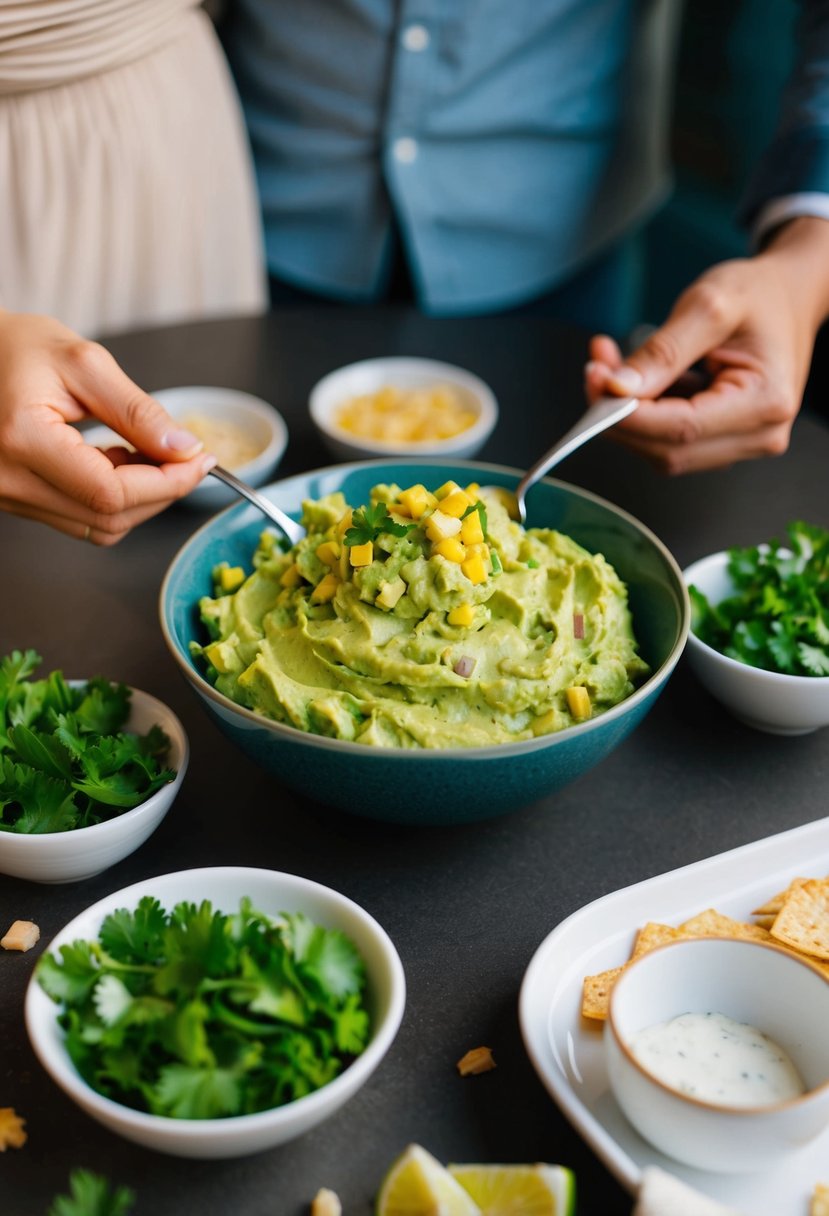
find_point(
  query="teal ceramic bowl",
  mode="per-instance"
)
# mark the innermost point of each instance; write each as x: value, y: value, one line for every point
x: 453, y: 785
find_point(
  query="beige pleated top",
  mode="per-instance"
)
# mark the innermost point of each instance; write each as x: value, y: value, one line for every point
x: 127, y: 195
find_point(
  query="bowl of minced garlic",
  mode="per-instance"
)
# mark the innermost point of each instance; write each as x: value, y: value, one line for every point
x: 402, y: 407
x: 246, y: 434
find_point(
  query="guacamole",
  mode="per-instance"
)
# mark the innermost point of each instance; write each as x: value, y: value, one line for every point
x: 421, y: 619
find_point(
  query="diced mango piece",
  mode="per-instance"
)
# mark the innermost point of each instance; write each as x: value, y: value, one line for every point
x: 345, y: 523
x: 325, y: 589
x: 22, y: 935
x: 231, y: 577
x: 291, y: 577
x: 390, y: 593
x: 472, y: 532
x: 474, y: 567
x: 415, y: 500
x: 578, y: 702
x: 224, y: 657
x: 438, y: 526
x: 456, y: 503
x: 451, y: 548
x: 448, y: 487
x: 361, y: 555
x: 473, y: 490
x: 545, y: 723
x: 463, y: 615
x: 481, y: 551
x: 329, y: 553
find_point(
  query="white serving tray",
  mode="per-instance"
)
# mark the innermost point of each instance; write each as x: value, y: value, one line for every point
x: 567, y: 1051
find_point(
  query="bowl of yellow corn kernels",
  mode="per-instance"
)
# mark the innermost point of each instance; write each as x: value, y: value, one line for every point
x: 402, y: 407
x: 418, y: 656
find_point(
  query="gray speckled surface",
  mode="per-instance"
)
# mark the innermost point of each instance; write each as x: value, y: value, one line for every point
x: 466, y: 906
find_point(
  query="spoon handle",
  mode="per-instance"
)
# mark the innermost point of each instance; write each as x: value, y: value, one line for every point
x: 290, y: 527
x: 603, y: 414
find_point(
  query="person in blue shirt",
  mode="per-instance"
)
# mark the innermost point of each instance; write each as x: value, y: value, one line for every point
x: 496, y: 156
x: 504, y: 156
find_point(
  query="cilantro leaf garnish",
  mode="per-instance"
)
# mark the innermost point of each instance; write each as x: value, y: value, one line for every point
x: 91, y: 1195
x: 65, y: 759
x: 778, y: 616
x: 193, y: 1013
x: 367, y: 523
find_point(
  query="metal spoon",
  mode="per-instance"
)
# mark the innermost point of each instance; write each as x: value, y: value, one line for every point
x: 290, y: 527
x: 598, y: 418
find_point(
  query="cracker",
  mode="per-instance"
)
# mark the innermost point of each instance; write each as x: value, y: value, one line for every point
x: 654, y: 934
x: 772, y: 906
x: 803, y: 921
x: 596, y: 993
x: 712, y: 923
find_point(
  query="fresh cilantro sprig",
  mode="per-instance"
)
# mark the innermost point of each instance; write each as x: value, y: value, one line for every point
x: 91, y: 1195
x: 367, y: 523
x: 65, y: 760
x: 778, y: 617
x: 197, y: 1014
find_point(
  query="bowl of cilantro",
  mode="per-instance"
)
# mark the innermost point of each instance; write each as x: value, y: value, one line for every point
x: 759, y: 638
x: 216, y: 1012
x: 88, y: 770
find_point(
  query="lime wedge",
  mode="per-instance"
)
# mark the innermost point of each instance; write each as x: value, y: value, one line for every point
x: 519, y: 1190
x: 418, y: 1185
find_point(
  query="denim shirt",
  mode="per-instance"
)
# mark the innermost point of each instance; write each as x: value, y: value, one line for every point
x: 506, y: 141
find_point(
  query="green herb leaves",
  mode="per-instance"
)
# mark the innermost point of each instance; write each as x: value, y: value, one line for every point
x: 778, y: 619
x: 64, y: 760
x: 197, y: 1014
x: 91, y: 1195
x: 367, y: 523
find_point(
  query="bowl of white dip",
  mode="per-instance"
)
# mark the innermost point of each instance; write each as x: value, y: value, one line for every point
x: 717, y: 1051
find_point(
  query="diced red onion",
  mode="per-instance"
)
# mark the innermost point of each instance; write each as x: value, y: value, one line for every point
x: 578, y: 625
x: 465, y: 666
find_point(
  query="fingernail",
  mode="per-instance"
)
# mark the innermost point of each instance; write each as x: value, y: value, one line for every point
x: 208, y: 463
x: 181, y: 441
x: 628, y: 379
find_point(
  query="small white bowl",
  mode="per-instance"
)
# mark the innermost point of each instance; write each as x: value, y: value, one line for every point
x: 270, y: 892
x: 83, y: 852
x: 752, y: 982
x: 262, y: 425
x: 767, y: 700
x: 370, y: 375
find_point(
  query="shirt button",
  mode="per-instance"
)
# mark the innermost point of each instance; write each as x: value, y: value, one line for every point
x: 415, y: 38
x: 405, y: 150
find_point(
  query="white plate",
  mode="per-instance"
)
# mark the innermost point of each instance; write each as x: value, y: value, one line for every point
x: 567, y: 1051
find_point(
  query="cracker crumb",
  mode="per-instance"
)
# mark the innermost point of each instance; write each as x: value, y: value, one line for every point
x: 479, y: 1059
x: 22, y: 935
x: 326, y: 1203
x: 12, y: 1134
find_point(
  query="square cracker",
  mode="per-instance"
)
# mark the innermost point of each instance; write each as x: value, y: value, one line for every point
x: 803, y: 921
x: 712, y: 923
x: 596, y: 993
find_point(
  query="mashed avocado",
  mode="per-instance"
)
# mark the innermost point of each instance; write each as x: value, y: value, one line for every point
x: 422, y: 620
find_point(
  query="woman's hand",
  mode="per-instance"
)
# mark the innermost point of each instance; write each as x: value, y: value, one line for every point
x: 722, y: 380
x: 50, y: 377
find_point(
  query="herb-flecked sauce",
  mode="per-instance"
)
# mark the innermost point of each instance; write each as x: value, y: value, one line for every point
x: 716, y: 1059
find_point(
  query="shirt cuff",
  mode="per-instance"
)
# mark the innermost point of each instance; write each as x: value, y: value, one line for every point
x: 776, y: 212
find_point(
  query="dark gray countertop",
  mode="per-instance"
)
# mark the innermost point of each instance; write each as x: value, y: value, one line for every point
x: 466, y: 907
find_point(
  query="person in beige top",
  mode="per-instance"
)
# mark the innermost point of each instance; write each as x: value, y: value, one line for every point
x: 127, y: 199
